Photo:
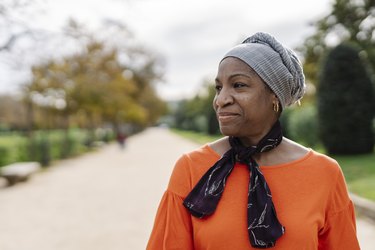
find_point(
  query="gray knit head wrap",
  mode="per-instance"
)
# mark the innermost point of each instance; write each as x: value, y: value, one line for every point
x: 277, y: 65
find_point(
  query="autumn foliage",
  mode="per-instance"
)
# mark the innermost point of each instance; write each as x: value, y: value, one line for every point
x: 91, y: 89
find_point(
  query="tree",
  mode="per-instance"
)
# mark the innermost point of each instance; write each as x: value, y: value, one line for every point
x: 197, y: 113
x: 12, y: 113
x: 345, y: 94
x: 94, y: 84
x: 208, y: 110
x: 21, y: 38
x: 14, y: 16
x: 102, y: 82
x: 349, y: 20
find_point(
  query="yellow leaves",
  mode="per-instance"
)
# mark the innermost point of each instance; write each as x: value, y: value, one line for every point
x: 96, y: 84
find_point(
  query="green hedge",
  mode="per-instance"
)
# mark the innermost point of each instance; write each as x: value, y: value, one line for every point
x: 46, y: 146
x: 4, y: 155
x: 303, y: 126
x: 345, y: 102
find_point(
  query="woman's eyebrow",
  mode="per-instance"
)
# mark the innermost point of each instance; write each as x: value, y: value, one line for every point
x: 240, y: 74
x: 250, y: 76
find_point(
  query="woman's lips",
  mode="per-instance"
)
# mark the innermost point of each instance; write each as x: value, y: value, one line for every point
x: 226, y: 116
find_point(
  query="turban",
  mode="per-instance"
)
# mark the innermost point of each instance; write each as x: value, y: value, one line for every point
x: 277, y: 65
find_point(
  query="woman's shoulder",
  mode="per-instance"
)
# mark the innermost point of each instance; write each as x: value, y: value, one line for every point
x: 219, y: 146
x: 199, y: 156
x: 296, y: 151
x: 291, y: 151
x: 190, y: 167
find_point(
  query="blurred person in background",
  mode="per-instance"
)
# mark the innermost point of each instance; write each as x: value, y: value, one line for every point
x: 255, y: 188
x: 121, y: 139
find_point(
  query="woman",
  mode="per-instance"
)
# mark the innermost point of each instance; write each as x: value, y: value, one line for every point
x: 254, y: 188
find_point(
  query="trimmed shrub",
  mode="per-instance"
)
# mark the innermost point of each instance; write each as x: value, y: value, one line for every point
x: 345, y: 98
x: 67, y: 147
x: 284, y: 120
x: 35, y: 149
x: 3, y: 156
x: 303, y: 126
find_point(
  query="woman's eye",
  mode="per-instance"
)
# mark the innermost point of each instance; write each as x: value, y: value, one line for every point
x: 218, y: 87
x: 239, y: 85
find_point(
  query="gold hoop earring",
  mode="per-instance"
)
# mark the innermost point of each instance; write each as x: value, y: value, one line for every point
x: 276, y: 107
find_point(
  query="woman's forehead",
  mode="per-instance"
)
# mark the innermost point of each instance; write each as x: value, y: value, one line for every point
x: 233, y: 66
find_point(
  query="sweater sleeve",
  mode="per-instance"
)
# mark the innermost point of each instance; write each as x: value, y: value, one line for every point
x: 172, y: 227
x: 339, y: 231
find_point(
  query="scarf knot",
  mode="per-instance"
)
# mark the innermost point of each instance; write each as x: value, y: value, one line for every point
x: 264, y: 227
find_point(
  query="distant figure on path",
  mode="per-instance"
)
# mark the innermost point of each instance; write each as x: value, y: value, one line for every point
x: 255, y: 188
x: 121, y: 139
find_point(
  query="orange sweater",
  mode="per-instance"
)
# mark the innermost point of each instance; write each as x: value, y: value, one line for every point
x: 309, y: 195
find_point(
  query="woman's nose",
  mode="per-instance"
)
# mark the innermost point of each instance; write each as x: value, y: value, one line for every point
x: 223, y: 98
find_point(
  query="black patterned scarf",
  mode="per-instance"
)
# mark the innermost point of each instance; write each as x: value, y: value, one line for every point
x: 263, y: 226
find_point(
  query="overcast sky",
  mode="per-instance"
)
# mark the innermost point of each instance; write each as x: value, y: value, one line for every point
x: 191, y: 35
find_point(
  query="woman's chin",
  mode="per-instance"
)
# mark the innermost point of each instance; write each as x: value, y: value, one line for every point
x: 228, y: 131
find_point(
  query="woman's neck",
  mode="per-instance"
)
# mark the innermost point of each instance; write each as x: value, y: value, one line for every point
x: 287, y: 151
x: 257, y: 134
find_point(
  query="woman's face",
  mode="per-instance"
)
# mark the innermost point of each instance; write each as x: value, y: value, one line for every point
x: 243, y: 103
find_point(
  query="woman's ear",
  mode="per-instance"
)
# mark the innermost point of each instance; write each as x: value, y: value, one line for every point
x: 275, y: 98
x: 276, y: 104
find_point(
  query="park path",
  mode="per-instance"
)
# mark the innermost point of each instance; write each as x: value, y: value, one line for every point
x: 102, y: 200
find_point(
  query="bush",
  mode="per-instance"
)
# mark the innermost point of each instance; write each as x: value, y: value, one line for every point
x: 47, y: 146
x: 284, y: 120
x: 37, y: 149
x: 3, y: 156
x: 303, y: 126
x: 345, y: 98
x: 43, y: 146
x: 67, y: 147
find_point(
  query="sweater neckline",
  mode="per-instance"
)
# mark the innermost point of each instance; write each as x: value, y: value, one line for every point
x: 265, y: 167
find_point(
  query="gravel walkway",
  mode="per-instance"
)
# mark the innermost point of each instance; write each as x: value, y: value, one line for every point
x: 102, y: 200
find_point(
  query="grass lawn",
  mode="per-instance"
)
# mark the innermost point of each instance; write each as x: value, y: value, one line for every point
x: 197, y: 137
x: 11, y: 143
x: 359, y: 170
